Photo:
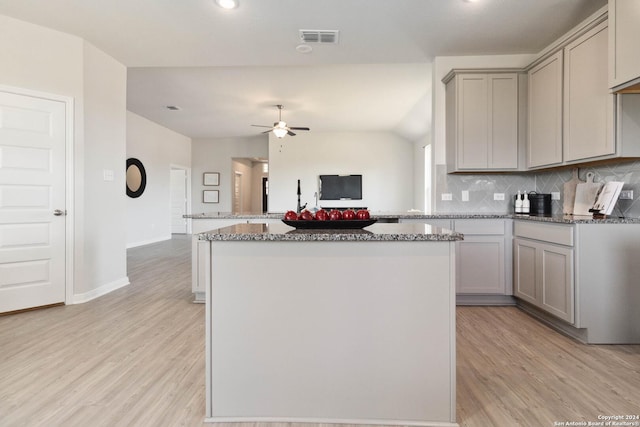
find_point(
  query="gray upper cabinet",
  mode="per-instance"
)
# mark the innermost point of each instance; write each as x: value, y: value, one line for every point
x: 624, y: 60
x: 588, y: 104
x: 544, y: 143
x: 573, y: 116
x: 482, y: 121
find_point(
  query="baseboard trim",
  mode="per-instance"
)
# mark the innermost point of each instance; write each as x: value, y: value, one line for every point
x: 469, y: 299
x: 329, y: 421
x: 102, y: 290
x: 148, y: 242
x: 561, y: 326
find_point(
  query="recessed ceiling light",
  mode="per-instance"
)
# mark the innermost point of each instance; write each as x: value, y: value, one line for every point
x: 304, y: 48
x: 227, y: 4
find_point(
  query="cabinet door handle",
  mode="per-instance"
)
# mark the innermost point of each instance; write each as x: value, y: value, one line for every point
x: 59, y: 212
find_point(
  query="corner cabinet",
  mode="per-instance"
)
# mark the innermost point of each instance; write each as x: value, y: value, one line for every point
x: 482, y: 121
x: 483, y: 259
x: 482, y: 256
x: 624, y: 61
x: 544, y: 146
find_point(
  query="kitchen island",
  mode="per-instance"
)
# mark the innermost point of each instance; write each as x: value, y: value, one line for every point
x: 348, y: 326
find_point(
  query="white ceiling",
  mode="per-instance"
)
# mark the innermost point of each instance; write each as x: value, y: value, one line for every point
x: 227, y: 69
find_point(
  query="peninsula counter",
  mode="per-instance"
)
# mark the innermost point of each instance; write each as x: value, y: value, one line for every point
x: 340, y: 326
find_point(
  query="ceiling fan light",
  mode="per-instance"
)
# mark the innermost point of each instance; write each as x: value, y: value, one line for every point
x: 280, y: 132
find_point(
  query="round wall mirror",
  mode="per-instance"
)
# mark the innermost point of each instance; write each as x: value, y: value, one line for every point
x: 136, y: 178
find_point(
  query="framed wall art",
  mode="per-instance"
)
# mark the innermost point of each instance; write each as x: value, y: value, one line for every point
x: 210, y: 196
x: 211, y: 178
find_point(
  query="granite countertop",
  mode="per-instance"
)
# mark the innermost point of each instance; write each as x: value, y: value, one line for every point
x: 230, y: 215
x: 561, y: 219
x: 375, y: 232
x: 576, y: 219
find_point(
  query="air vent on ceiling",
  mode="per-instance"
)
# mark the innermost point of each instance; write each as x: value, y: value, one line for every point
x: 319, y: 36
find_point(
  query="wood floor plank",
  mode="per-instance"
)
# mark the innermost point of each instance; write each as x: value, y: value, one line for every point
x: 135, y: 357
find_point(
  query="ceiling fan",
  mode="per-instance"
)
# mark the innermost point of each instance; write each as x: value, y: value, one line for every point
x: 280, y: 128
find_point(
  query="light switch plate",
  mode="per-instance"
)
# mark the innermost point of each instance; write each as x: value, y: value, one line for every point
x: 107, y: 174
x: 555, y: 195
x: 465, y: 195
x: 447, y: 196
x: 498, y: 196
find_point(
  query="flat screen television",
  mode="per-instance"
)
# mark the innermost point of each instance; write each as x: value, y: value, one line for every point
x: 340, y: 187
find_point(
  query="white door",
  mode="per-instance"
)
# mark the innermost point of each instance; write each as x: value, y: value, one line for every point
x: 178, y: 200
x: 32, y: 188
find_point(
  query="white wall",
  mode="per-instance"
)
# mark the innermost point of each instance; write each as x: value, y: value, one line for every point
x: 40, y: 59
x: 105, y: 100
x: 419, y: 172
x: 384, y: 160
x: 148, y: 217
x: 215, y: 155
x: 36, y: 58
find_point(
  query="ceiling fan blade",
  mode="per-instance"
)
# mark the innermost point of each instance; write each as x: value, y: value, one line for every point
x: 295, y: 128
x: 262, y: 126
x: 267, y: 131
x: 291, y: 133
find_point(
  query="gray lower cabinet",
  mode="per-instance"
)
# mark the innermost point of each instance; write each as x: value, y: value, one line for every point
x: 543, y: 276
x: 483, y: 261
x: 580, y: 278
x: 480, y: 258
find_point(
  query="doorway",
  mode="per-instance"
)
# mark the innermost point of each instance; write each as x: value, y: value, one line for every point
x: 36, y: 234
x: 178, y: 186
x: 265, y: 194
x: 248, y: 187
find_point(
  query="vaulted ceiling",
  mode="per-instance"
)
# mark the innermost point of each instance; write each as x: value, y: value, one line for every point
x: 226, y: 69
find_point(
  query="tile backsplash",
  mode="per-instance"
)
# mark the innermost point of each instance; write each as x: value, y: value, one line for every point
x: 481, y: 188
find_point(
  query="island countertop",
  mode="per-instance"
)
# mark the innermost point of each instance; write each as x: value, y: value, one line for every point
x: 376, y: 232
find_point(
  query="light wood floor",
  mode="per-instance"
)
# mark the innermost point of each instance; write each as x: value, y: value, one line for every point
x: 135, y: 357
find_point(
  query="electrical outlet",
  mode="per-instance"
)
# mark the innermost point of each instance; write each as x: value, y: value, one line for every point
x: 626, y: 195
x: 465, y: 195
x: 498, y: 196
x: 555, y: 195
x: 447, y: 196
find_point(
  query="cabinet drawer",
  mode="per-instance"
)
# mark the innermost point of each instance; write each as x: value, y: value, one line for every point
x: 552, y: 233
x: 480, y: 226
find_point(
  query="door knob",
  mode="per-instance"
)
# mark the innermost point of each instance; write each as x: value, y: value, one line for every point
x: 58, y: 212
